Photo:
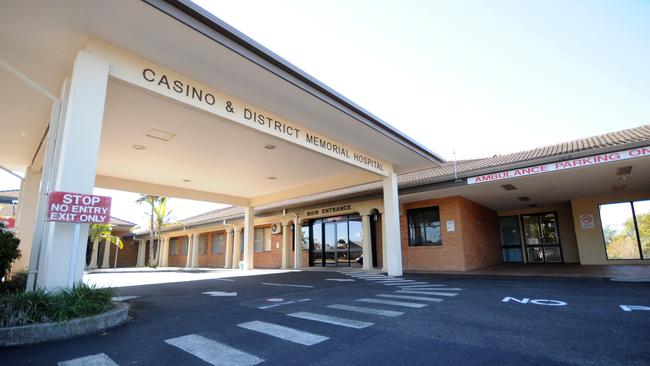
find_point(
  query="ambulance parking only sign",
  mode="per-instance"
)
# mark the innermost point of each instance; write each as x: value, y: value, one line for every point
x: 78, y: 208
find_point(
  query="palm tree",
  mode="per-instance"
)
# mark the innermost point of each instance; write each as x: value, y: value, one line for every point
x: 151, y: 201
x: 162, y: 215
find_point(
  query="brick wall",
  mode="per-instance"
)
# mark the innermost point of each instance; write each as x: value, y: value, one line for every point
x: 473, y: 243
x: 480, y: 235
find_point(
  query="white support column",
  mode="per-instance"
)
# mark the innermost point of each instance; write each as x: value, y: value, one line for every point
x: 141, y: 251
x: 249, y: 229
x: 107, y: 254
x: 391, y: 226
x: 94, y: 255
x: 26, y: 220
x: 195, y: 250
x: 228, y: 252
x: 286, y: 245
x: 236, y: 248
x: 76, y: 167
x: 384, y: 247
x: 188, y: 259
x: 297, y: 254
x: 164, y: 253
x: 367, y: 242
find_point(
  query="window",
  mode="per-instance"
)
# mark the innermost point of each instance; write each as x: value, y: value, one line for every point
x: 218, y: 241
x: 202, y: 241
x: 173, y: 246
x: 262, y: 240
x: 510, y: 239
x: 626, y: 229
x: 184, y: 245
x: 424, y: 226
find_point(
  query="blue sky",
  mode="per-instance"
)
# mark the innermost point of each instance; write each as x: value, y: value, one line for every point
x: 477, y: 77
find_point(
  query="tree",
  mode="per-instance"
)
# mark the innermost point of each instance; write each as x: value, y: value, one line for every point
x: 151, y: 201
x: 162, y: 215
x: 8, y: 249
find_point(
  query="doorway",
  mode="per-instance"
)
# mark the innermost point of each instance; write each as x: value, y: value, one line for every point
x: 336, y: 241
x: 541, y: 238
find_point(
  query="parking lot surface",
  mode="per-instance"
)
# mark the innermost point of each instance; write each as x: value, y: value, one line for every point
x: 333, y: 318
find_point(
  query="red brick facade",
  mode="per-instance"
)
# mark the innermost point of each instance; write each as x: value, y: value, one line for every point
x: 473, y: 244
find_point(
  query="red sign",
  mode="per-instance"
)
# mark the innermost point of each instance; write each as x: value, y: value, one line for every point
x: 9, y: 222
x: 78, y: 208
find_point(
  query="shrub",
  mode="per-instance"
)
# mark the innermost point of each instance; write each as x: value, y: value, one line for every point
x: 43, y: 306
x: 17, y: 283
x: 8, y: 249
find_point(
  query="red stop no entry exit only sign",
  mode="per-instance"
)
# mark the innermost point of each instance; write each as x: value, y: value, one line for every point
x: 78, y: 208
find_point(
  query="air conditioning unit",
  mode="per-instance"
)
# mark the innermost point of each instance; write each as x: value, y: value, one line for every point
x: 276, y: 228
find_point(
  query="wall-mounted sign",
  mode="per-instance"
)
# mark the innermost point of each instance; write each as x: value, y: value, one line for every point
x: 586, y: 221
x: 78, y: 208
x: 563, y: 165
x: 8, y: 222
x: 328, y: 210
x: 145, y: 74
x: 451, y: 226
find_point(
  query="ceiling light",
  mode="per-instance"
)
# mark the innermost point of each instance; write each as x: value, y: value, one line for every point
x: 532, y: 205
x: 523, y: 198
x: 23, y: 134
x: 269, y: 147
x: 139, y: 147
x: 508, y: 187
x: 271, y: 178
x: 161, y: 135
x: 187, y: 180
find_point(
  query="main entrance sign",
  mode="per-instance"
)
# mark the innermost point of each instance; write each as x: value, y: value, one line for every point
x: 147, y: 75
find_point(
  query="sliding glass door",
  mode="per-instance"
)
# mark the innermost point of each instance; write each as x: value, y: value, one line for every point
x: 541, y: 238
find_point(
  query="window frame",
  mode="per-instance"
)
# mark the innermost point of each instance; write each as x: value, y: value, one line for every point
x: 408, y: 227
x: 636, y: 231
x: 202, y: 249
x: 173, y: 243
x: 219, y: 234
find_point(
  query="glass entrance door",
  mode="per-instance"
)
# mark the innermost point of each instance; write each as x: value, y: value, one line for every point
x: 510, y: 239
x: 336, y: 241
x: 541, y: 238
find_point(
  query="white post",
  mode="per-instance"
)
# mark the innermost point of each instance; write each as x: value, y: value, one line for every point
x: 107, y: 253
x: 384, y: 248
x: 188, y: 259
x: 77, y: 162
x: 249, y: 230
x: 297, y: 256
x: 26, y: 220
x: 228, y: 251
x: 367, y: 242
x: 94, y: 255
x: 286, y: 245
x: 195, y: 250
x: 391, y: 226
x: 236, y: 248
x: 164, y: 254
x: 141, y: 250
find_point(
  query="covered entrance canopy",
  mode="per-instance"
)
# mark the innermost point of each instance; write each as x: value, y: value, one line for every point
x: 163, y: 98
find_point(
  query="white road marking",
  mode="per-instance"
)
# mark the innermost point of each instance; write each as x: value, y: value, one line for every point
x: 282, y: 332
x: 224, y: 279
x: 373, y: 277
x: 394, y: 303
x: 286, y: 285
x: 340, y: 279
x: 426, y: 293
x: 349, y: 323
x: 219, y: 293
x: 276, y: 304
x: 406, y: 297
x: 213, y: 352
x: 99, y: 359
x: 396, y: 281
x: 123, y: 298
x: 412, y: 283
x: 359, y: 309
x: 440, y: 288
x: 634, y: 307
x: 382, y: 280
